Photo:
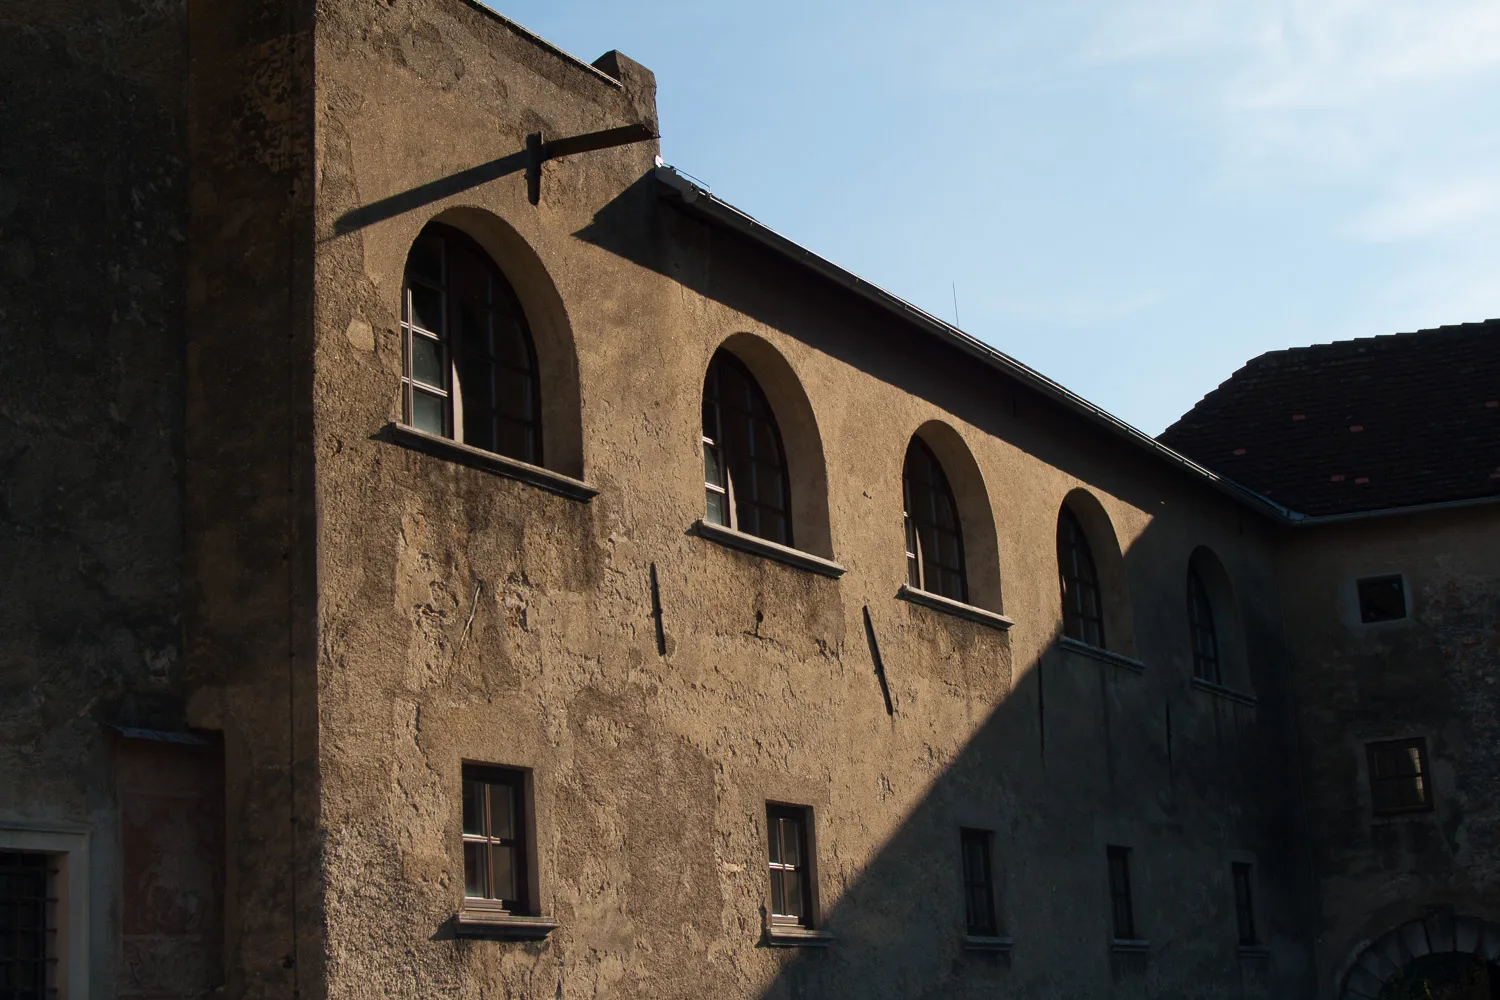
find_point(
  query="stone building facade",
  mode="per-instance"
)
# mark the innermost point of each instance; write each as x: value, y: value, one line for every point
x: 453, y: 554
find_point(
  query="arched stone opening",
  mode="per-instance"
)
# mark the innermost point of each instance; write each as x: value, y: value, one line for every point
x: 798, y: 426
x: 976, y: 515
x: 1206, y: 570
x: 1109, y: 563
x: 1442, y: 956
x: 551, y: 333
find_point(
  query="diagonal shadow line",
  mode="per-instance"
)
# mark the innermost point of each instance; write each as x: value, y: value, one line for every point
x: 423, y: 194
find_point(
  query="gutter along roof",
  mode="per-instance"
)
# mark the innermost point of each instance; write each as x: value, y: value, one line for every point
x: 698, y: 201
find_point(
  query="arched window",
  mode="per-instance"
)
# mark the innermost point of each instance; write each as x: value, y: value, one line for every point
x: 469, y: 368
x: 744, y: 464
x: 1201, y: 624
x: 934, y: 538
x: 1083, y: 613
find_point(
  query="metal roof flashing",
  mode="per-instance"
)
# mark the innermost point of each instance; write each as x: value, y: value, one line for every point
x: 701, y: 202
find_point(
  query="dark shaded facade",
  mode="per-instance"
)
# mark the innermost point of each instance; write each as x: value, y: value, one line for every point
x: 408, y: 604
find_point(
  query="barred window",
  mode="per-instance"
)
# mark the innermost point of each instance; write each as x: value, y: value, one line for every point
x: 979, y: 887
x: 1083, y: 615
x: 1201, y: 626
x: 790, y: 864
x: 744, y: 465
x: 469, y: 368
x: 1399, y: 780
x: 934, y: 537
x: 1121, y: 906
x: 495, y: 826
x: 28, y: 932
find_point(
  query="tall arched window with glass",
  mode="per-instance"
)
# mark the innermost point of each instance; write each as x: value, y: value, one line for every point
x: 469, y: 368
x: 744, y: 464
x: 934, y: 537
x: 1201, y: 625
x: 1083, y: 614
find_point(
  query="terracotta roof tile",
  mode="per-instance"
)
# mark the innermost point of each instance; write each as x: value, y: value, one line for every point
x: 1378, y: 422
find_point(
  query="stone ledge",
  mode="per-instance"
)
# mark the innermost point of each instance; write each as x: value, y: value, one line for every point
x: 757, y: 546
x: 958, y: 609
x: 1101, y: 654
x: 492, y: 922
x: 487, y: 461
x: 793, y: 936
x: 1252, y: 951
x: 1001, y: 943
x: 1228, y: 694
x: 1129, y: 946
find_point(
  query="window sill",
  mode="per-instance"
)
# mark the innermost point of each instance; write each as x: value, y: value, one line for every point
x: 492, y: 922
x: 793, y: 936
x: 1129, y: 946
x: 958, y: 609
x: 1103, y: 655
x: 981, y: 942
x: 1252, y: 951
x: 768, y: 549
x: 1220, y: 691
x: 488, y: 461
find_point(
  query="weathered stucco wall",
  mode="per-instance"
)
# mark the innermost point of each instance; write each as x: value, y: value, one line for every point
x: 465, y: 616
x: 91, y: 306
x: 1435, y: 674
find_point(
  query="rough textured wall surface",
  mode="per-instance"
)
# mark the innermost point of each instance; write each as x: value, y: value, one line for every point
x: 91, y: 323
x: 465, y: 616
x: 1435, y: 674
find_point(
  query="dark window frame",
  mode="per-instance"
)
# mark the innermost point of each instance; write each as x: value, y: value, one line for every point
x: 976, y: 853
x: 790, y: 825
x: 735, y: 459
x: 485, y: 779
x: 1082, y: 596
x: 29, y: 946
x: 1391, y: 788
x: 933, y: 549
x: 1240, y: 873
x: 1121, y: 898
x: 469, y: 374
x: 1202, y: 631
x: 1369, y: 599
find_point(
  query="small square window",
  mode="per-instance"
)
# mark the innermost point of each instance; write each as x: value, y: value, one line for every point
x: 496, y: 842
x: 28, y: 920
x: 1381, y: 599
x: 1399, y: 779
x: 979, y: 885
x: 790, y: 864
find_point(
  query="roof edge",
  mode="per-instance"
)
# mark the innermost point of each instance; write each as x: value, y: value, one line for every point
x: 542, y: 43
x: 700, y: 201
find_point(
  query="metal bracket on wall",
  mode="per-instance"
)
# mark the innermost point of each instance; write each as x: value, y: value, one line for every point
x: 539, y: 151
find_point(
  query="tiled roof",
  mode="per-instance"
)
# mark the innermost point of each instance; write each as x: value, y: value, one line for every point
x: 1379, y: 422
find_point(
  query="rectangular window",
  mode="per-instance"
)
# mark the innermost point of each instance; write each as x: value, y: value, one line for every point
x: 979, y: 886
x: 495, y: 829
x: 28, y: 926
x: 790, y: 864
x: 1381, y: 599
x: 1399, y: 781
x: 1119, y: 893
x: 1244, y: 907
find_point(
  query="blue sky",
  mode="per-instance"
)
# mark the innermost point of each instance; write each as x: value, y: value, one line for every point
x: 1133, y: 197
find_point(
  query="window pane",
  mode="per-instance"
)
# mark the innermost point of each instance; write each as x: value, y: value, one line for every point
x: 428, y: 412
x: 791, y: 892
x: 427, y: 361
x: 510, y: 343
x: 791, y: 841
x: 473, y: 807
x: 512, y: 393
x: 502, y: 811
x: 778, y: 894
x: 475, y: 883
x: 512, y: 439
x: 718, y: 512
x: 426, y: 260
x: 427, y: 308
x: 502, y: 856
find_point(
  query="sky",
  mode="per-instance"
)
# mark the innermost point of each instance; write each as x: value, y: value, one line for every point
x: 1133, y: 197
